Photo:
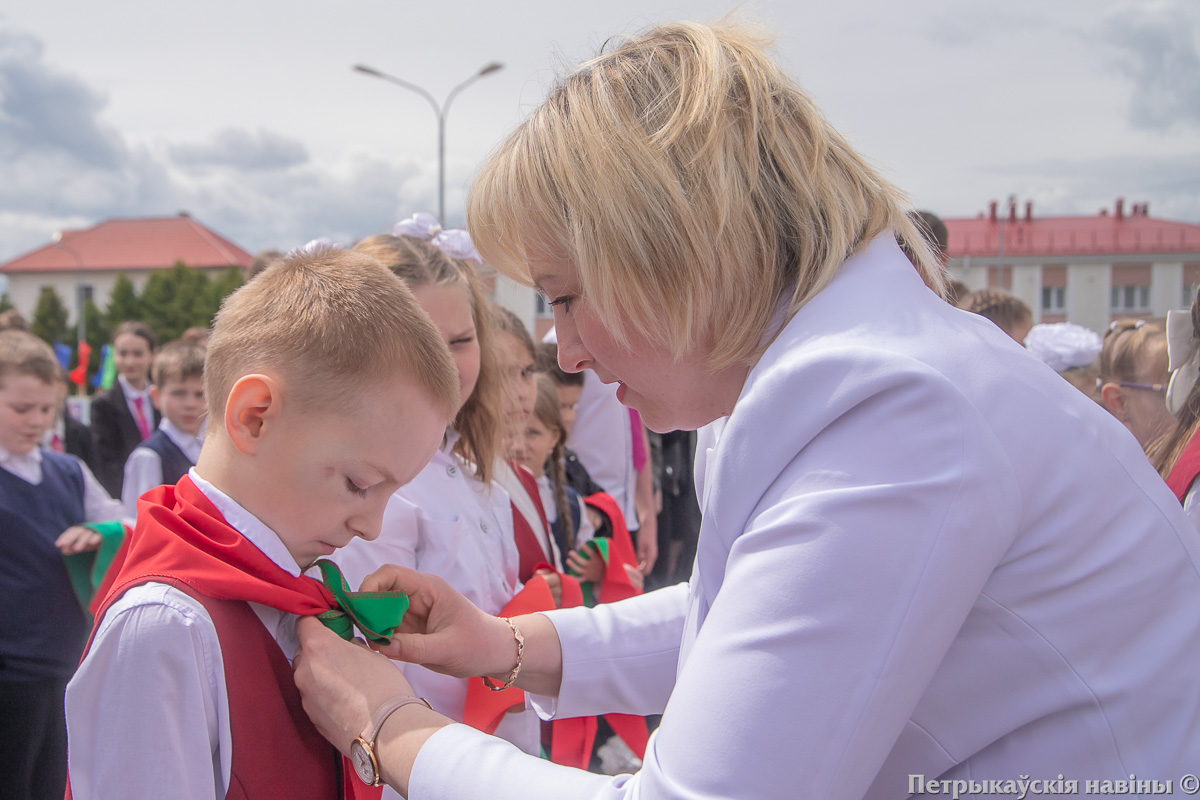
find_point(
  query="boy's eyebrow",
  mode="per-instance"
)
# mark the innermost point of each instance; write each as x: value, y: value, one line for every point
x: 383, y: 473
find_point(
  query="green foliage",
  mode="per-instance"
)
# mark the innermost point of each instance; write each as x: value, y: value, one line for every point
x: 175, y: 300
x: 98, y: 334
x: 5, y: 302
x: 220, y: 287
x: 123, y: 303
x: 50, y: 317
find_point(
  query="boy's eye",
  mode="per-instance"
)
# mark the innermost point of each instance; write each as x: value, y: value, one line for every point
x: 355, y: 489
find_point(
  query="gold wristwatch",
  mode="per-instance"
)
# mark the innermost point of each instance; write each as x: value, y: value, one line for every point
x: 362, y: 749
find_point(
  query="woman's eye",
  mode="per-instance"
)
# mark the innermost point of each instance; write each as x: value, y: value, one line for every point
x: 565, y: 302
x: 353, y: 487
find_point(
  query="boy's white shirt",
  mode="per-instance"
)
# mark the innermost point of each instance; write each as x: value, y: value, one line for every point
x: 147, y: 711
x: 143, y: 469
x: 97, y: 505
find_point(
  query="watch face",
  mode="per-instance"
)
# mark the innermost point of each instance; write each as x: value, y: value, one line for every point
x: 364, y: 765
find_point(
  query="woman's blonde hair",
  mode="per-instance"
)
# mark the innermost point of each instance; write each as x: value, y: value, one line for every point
x: 1167, y: 449
x: 693, y: 185
x: 480, y: 422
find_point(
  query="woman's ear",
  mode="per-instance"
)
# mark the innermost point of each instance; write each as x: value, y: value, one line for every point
x: 1114, y: 400
x: 254, y: 404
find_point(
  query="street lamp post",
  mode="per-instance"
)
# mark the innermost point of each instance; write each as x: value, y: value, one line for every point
x: 440, y: 111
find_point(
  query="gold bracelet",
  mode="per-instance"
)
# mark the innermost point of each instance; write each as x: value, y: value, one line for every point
x: 512, y: 677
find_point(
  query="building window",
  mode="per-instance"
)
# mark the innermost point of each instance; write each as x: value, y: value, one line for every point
x: 1054, y: 299
x: 1135, y: 299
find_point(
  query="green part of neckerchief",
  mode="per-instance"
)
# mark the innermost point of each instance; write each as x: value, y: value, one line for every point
x: 600, y: 543
x: 375, y: 614
x: 87, y: 569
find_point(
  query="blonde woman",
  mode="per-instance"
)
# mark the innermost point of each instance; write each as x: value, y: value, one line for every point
x: 924, y: 557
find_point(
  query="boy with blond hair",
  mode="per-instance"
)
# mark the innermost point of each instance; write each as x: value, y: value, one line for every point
x: 177, y: 391
x: 44, y: 498
x: 327, y: 389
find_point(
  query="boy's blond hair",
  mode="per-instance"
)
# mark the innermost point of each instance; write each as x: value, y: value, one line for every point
x: 693, y: 185
x: 25, y: 354
x: 177, y: 361
x: 331, y: 324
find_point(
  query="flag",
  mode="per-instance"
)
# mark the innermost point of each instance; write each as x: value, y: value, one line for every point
x: 63, y: 353
x: 106, y: 376
x: 78, y: 375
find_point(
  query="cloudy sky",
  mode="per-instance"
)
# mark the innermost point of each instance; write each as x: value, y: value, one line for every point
x: 247, y: 114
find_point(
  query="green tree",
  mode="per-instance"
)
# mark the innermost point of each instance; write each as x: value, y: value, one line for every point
x: 98, y: 334
x: 50, y: 317
x: 167, y: 300
x: 220, y: 287
x: 123, y: 302
x: 5, y: 302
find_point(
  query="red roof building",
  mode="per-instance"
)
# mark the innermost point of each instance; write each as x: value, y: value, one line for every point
x: 1088, y: 270
x: 90, y: 259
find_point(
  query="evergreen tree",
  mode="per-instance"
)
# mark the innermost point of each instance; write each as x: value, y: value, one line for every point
x: 5, y: 302
x: 123, y: 303
x: 220, y: 287
x: 97, y: 333
x: 50, y: 317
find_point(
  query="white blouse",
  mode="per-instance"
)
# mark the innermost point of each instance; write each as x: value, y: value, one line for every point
x: 923, y: 556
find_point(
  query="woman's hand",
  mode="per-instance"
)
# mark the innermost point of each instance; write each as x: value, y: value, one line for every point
x: 77, y: 539
x: 341, y: 682
x: 442, y: 630
x: 586, y: 563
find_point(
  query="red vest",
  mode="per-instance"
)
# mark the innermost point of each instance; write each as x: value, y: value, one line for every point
x: 277, y: 752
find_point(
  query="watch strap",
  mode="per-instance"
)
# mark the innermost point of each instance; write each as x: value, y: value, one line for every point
x: 385, y: 710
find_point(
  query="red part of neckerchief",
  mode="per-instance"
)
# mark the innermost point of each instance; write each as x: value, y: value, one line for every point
x: 615, y: 584
x: 1186, y: 468
x: 484, y: 708
x: 529, y: 547
x: 180, y: 534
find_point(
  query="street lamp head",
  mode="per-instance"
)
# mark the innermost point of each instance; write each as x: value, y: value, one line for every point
x: 495, y: 66
x: 367, y: 70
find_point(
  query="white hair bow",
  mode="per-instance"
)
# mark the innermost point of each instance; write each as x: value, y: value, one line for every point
x: 1183, y: 357
x: 455, y: 243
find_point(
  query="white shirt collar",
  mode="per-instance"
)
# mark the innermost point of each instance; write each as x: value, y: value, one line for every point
x: 26, y: 466
x: 248, y: 525
x: 190, y: 445
x: 131, y: 392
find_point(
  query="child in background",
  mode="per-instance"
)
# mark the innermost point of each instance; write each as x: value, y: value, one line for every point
x: 1009, y: 314
x: 535, y: 543
x: 44, y: 497
x: 123, y: 417
x: 452, y: 520
x: 178, y: 395
x: 568, y: 386
x: 67, y: 434
x: 328, y: 388
x: 1133, y: 378
x: 1070, y: 350
x: 543, y: 455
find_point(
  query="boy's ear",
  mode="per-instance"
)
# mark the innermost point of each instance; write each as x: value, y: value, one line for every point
x: 254, y: 404
x: 154, y: 396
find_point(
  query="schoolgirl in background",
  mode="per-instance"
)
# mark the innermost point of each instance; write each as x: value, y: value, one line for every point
x: 123, y: 417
